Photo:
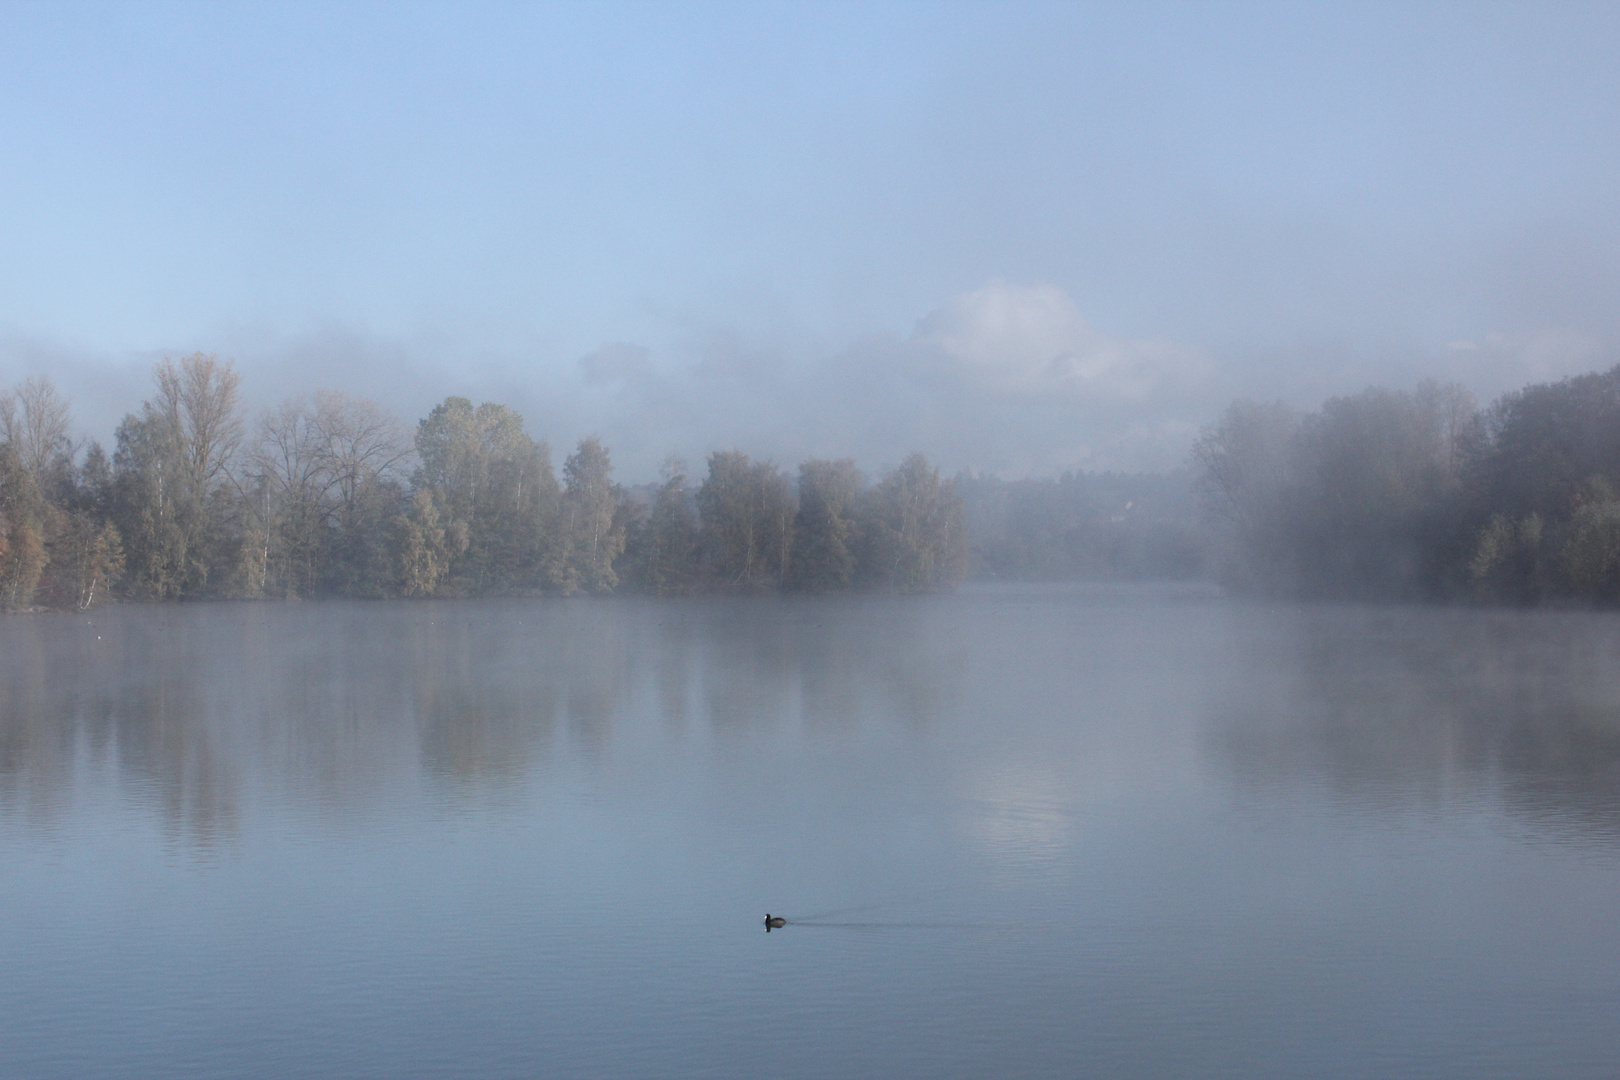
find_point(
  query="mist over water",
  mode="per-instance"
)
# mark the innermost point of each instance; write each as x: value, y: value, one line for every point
x: 352, y: 356
x: 1111, y: 831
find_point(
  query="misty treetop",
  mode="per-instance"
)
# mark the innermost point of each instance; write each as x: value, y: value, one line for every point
x: 330, y: 496
x: 1388, y: 494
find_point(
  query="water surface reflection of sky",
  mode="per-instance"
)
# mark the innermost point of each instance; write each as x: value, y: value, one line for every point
x: 1103, y: 830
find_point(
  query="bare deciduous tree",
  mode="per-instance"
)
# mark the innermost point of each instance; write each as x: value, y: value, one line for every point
x: 308, y: 469
x: 34, y: 419
x: 199, y: 402
x: 359, y: 442
x: 171, y: 461
x: 1244, y: 460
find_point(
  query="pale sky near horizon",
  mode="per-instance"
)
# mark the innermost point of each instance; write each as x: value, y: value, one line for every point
x: 1019, y: 237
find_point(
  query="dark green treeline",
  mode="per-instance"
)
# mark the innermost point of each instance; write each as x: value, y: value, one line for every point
x: 1389, y: 495
x: 330, y: 496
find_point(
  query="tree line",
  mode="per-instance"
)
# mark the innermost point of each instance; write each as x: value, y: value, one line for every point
x: 1422, y: 494
x: 1381, y: 495
x: 329, y: 495
x: 1109, y: 526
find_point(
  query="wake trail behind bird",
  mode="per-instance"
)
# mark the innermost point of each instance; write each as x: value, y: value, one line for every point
x: 819, y: 925
x: 832, y: 920
x: 835, y: 914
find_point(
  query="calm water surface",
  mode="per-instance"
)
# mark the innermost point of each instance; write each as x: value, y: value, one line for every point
x: 1100, y: 832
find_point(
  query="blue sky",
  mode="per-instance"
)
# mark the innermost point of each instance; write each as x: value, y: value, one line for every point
x: 1020, y: 237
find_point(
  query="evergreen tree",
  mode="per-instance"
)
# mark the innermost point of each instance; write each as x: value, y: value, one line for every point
x: 588, y: 526
x: 823, y: 528
x: 661, y: 543
x: 86, y: 559
x: 22, y: 546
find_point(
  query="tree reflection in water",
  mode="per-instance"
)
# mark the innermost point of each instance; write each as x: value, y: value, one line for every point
x: 1425, y: 707
x: 324, y: 708
x: 330, y: 710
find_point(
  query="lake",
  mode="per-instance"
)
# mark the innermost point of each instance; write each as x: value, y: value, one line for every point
x: 1099, y: 831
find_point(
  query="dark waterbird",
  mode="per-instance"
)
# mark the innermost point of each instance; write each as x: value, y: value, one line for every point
x: 823, y: 920
x: 776, y: 922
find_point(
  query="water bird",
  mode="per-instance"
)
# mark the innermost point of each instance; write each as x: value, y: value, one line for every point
x: 775, y: 922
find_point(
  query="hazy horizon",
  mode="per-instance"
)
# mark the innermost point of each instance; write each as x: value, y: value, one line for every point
x: 1020, y: 240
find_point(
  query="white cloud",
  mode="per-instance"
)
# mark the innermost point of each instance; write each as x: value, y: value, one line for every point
x: 1006, y: 378
x: 1032, y: 340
